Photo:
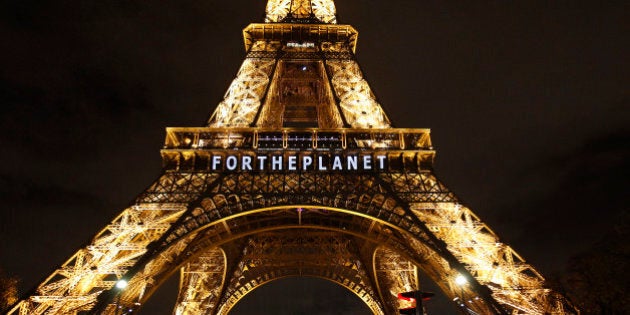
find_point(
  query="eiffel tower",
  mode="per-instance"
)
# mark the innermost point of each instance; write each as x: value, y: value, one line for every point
x: 297, y: 173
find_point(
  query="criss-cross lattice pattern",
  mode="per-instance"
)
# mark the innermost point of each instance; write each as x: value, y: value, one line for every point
x: 356, y: 99
x: 201, y: 283
x: 244, y: 96
x: 279, y: 10
x: 409, y: 213
x: 228, y: 232
x: 273, y: 255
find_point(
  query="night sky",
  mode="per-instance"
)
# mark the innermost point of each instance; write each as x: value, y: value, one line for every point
x: 528, y: 102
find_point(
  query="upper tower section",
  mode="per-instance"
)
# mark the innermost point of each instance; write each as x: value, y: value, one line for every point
x: 300, y: 72
x: 301, y: 11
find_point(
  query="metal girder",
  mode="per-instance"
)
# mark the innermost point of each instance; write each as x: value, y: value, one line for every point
x: 201, y: 282
x: 269, y: 256
x: 202, y: 139
x: 230, y: 208
x: 240, y: 204
x: 513, y: 282
x: 75, y: 285
x: 394, y: 274
x: 244, y: 96
x: 312, y: 10
x: 356, y: 99
x: 320, y: 35
x: 332, y: 45
x: 213, y: 221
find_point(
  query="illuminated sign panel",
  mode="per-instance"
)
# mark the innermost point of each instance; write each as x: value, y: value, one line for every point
x: 297, y: 162
x: 301, y: 45
x: 297, y: 151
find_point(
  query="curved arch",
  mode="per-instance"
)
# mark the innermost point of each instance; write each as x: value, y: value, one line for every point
x: 193, y: 206
x: 284, y: 253
x: 254, y: 222
x: 348, y: 287
x: 349, y: 202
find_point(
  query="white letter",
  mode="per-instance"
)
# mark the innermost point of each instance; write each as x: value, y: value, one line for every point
x: 367, y: 162
x: 322, y: 167
x: 352, y: 163
x: 337, y: 163
x: 306, y: 162
x: 381, y: 161
x: 247, y: 163
x: 261, y: 162
x: 292, y: 163
x: 230, y: 162
x: 216, y: 159
x: 276, y: 161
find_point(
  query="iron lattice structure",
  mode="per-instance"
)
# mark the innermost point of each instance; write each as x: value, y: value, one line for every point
x: 298, y: 173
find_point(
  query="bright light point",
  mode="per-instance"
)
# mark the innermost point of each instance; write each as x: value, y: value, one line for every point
x: 121, y: 284
x: 460, y: 280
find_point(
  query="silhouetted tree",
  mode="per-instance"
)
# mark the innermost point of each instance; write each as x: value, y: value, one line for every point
x: 598, y: 280
x: 8, y: 290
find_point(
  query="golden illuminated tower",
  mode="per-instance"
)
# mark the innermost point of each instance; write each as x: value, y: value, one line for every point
x: 297, y: 173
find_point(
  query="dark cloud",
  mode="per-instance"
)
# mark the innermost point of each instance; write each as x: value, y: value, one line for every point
x: 572, y: 200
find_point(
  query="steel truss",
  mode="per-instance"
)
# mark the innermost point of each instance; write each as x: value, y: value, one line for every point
x: 228, y: 230
x: 245, y: 97
x: 183, y: 216
x: 322, y: 11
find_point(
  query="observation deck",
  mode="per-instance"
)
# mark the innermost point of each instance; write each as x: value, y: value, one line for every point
x: 191, y: 148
